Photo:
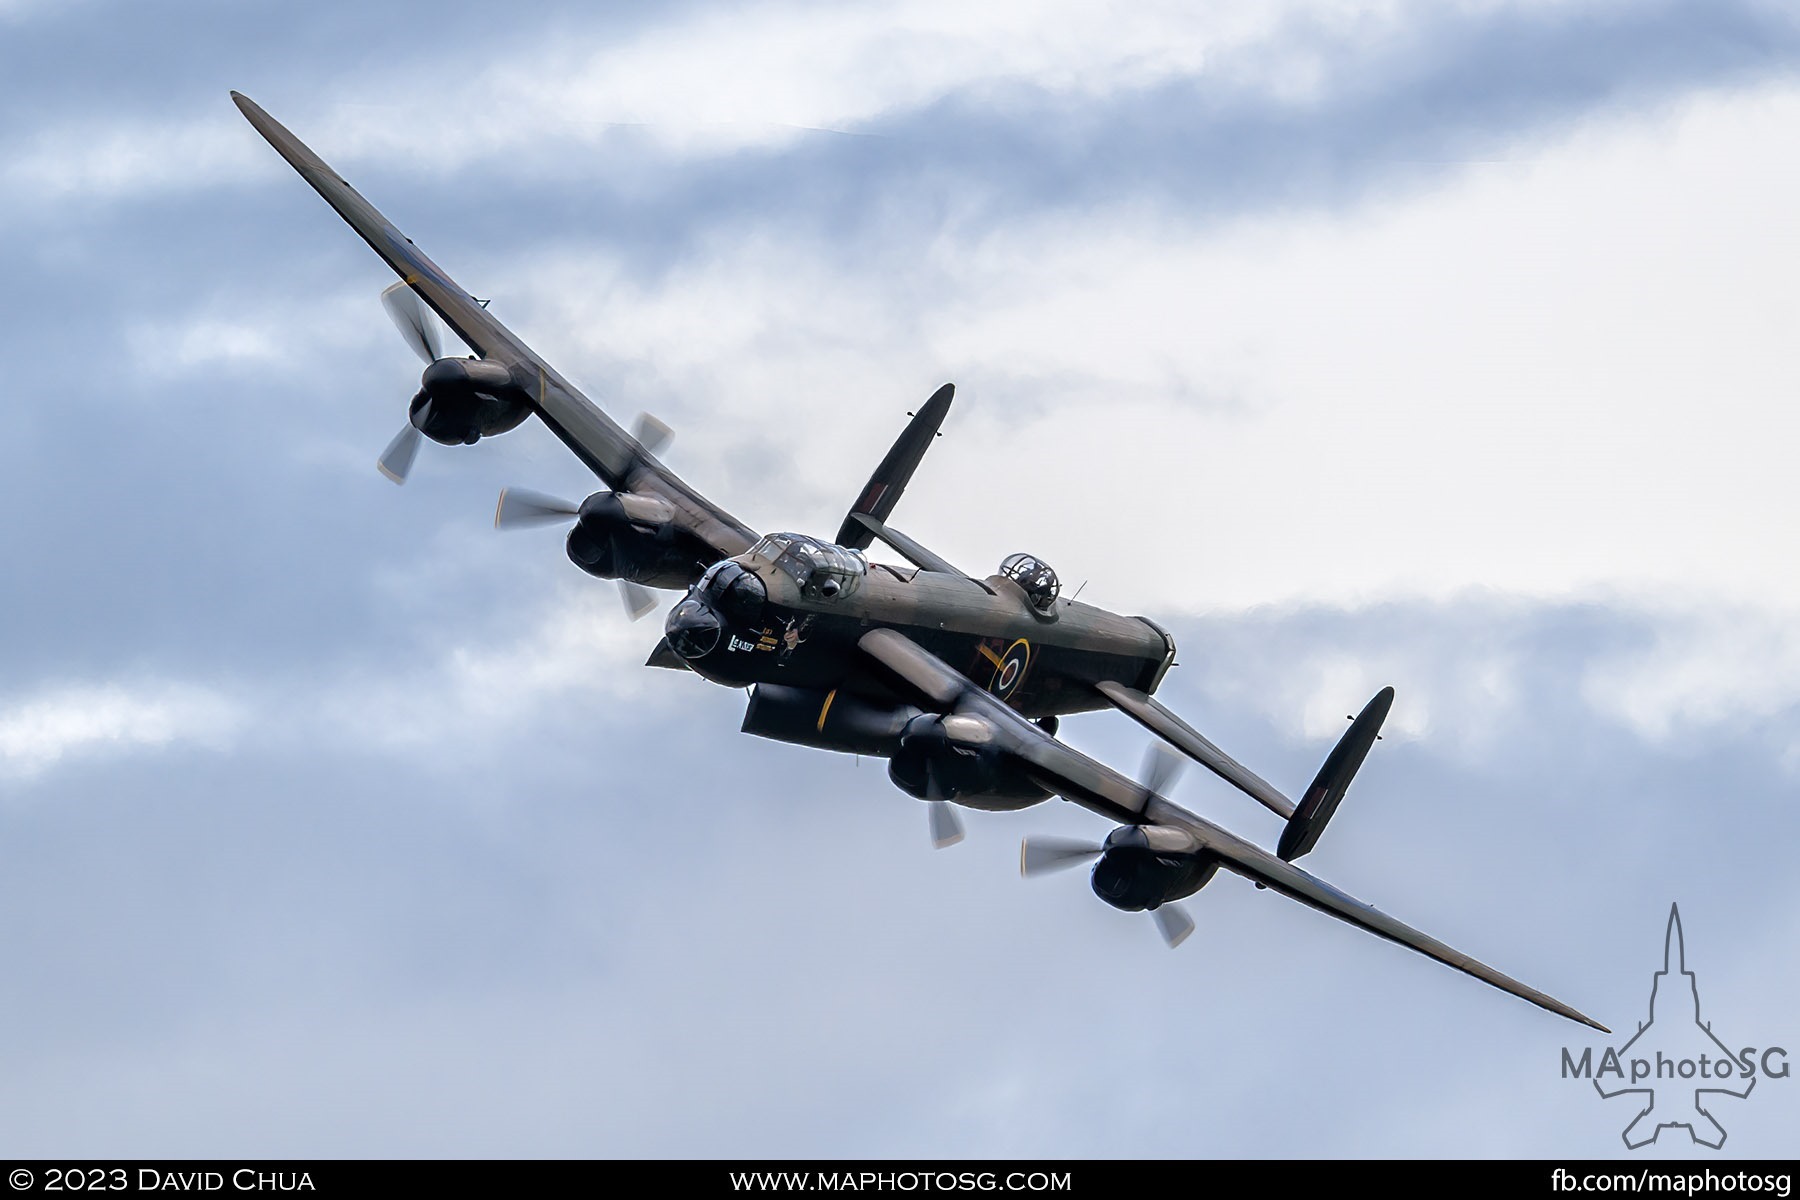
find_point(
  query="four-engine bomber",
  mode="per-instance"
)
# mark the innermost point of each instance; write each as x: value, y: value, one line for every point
x: 957, y: 681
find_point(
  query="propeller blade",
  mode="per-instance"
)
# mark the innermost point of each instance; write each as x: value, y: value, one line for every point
x: 651, y: 433
x: 946, y: 826
x: 638, y: 598
x: 1173, y: 922
x: 520, y: 509
x: 410, y: 317
x: 397, y: 459
x: 1041, y: 856
x: 1162, y: 767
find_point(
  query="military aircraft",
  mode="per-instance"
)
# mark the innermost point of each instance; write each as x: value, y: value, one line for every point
x: 957, y: 680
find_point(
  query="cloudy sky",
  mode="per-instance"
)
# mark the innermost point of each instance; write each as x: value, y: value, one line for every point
x: 1450, y: 346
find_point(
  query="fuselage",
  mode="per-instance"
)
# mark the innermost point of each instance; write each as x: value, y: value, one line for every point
x: 789, y: 611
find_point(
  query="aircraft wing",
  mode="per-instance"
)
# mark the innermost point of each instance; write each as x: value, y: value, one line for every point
x: 932, y: 684
x: 598, y: 441
x: 1258, y: 865
x: 1149, y: 712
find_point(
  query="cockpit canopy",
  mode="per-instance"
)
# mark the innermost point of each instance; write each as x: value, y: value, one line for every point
x: 823, y: 571
x: 1035, y: 578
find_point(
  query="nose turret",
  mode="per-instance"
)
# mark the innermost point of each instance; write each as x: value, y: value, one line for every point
x: 694, y: 629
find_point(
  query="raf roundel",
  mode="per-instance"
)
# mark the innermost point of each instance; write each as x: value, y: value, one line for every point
x: 1009, y: 671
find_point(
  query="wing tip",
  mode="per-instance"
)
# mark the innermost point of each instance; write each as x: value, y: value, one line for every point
x: 1552, y: 1004
x: 298, y: 154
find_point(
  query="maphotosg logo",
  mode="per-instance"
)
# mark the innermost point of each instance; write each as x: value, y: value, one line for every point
x: 1674, y: 1063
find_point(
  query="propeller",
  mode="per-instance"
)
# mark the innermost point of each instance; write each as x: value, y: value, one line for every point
x: 651, y: 434
x: 419, y: 329
x: 1173, y: 922
x: 638, y: 599
x: 397, y: 459
x: 946, y: 826
x: 1048, y: 855
x: 416, y: 326
x: 414, y: 322
x: 521, y: 508
x: 1162, y: 767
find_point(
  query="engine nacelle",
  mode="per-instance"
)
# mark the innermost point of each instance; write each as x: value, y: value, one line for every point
x: 462, y: 400
x: 826, y: 720
x: 957, y: 754
x: 622, y: 535
x: 1144, y: 866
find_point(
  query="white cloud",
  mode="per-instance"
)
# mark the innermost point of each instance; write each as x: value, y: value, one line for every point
x: 253, y: 333
x: 76, y: 721
x: 1553, y: 377
x: 1458, y: 673
x: 20, y: 10
x: 1703, y: 670
x: 89, y: 159
x: 211, y: 342
x: 729, y: 79
x: 579, y: 648
x: 1558, y: 377
x: 1561, y: 378
x: 1566, y: 377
